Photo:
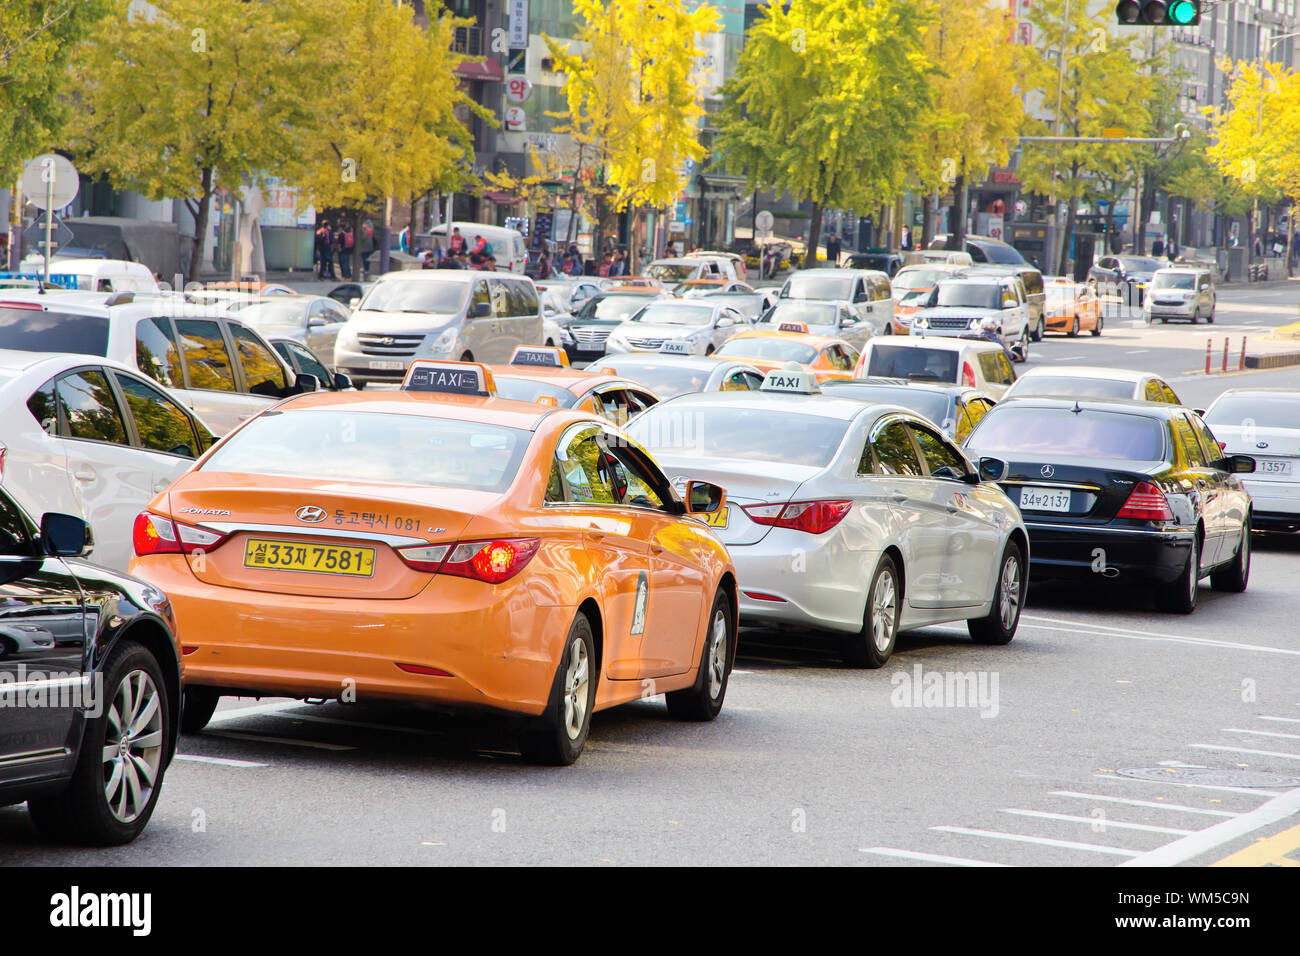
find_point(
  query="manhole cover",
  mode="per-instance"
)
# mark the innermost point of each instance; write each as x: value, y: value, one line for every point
x: 1211, y: 778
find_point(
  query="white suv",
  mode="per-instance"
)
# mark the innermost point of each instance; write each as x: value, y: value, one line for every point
x: 972, y: 362
x: 212, y: 363
x: 975, y: 305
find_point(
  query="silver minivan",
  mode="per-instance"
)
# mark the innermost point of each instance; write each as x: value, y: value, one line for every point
x: 1180, y: 292
x: 464, y: 315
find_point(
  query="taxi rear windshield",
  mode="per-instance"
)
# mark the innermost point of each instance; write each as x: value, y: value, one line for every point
x: 781, y: 350
x: 374, y: 446
x: 898, y: 361
x: 29, y: 330
x: 1087, y: 433
x: 523, y: 390
x: 724, y: 431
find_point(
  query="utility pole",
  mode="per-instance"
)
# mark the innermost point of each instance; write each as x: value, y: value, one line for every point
x: 1058, y: 220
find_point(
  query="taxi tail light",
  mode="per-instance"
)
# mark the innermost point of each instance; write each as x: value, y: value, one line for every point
x: 1146, y: 503
x: 491, y: 561
x: 814, y: 517
x: 158, y: 534
x: 967, y: 374
x: 424, y: 558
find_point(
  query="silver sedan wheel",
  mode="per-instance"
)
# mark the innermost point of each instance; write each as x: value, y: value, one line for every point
x: 575, y: 689
x: 884, y: 611
x: 133, y: 746
x: 716, y: 657
x: 1009, y: 591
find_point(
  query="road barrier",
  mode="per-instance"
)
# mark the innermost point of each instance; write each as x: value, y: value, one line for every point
x: 1241, y: 360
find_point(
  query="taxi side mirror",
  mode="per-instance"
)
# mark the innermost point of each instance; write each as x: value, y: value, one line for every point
x: 703, y: 498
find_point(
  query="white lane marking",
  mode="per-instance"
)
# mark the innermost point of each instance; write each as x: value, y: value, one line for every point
x: 1180, y: 851
x: 221, y: 716
x: 1253, y: 791
x: 289, y: 741
x: 1041, y: 841
x: 1261, y: 733
x: 1063, y: 358
x: 1154, y: 804
x: 219, y: 761
x: 1288, y: 720
x: 1244, y: 750
x: 1179, y: 763
x: 1136, y: 351
x: 1105, y: 823
x: 315, y: 718
x: 925, y: 857
x: 746, y: 673
x: 1100, y: 630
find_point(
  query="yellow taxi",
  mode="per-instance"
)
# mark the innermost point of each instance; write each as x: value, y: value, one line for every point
x: 828, y: 358
x: 444, y: 545
x: 538, y: 373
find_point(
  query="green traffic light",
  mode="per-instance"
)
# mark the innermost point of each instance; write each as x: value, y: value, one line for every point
x: 1182, y: 12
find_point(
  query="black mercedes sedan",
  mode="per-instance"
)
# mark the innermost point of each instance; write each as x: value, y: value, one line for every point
x: 1133, y: 491
x: 89, y: 684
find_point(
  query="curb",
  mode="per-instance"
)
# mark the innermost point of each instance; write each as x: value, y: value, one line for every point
x: 1278, y: 360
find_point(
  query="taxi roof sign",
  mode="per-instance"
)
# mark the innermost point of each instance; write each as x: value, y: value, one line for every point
x: 449, y: 378
x: 792, y: 378
x: 542, y: 356
x: 801, y: 327
x: 675, y: 347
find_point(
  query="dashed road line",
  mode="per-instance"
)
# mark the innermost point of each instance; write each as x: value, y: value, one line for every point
x: 1104, y: 822
x: 237, y: 713
x: 926, y: 857
x: 288, y: 741
x: 1040, y: 841
x: 1252, y: 791
x: 1190, y: 847
x: 1246, y: 750
x: 219, y: 761
x: 1261, y: 733
x: 1154, y: 804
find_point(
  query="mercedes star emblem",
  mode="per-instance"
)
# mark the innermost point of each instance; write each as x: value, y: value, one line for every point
x: 1047, y: 471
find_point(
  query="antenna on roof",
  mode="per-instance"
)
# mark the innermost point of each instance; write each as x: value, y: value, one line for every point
x: 1076, y: 408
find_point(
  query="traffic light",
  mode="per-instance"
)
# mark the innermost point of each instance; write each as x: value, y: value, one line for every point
x: 1159, y: 13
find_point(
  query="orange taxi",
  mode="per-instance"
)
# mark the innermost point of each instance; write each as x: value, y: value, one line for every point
x: 829, y: 359
x: 692, y: 287
x: 539, y: 373
x: 440, y: 544
x: 1071, y: 307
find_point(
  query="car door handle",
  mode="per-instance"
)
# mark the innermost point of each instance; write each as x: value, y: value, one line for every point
x: 595, y: 534
x: 84, y: 473
x: 657, y: 548
x: 899, y: 497
x: 952, y: 509
x: 160, y: 486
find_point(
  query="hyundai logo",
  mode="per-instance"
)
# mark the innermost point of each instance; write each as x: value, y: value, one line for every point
x: 1047, y: 471
x: 1261, y: 444
x: 311, y: 514
x: 388, y: 340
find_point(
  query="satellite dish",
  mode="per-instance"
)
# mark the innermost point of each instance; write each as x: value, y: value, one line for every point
x: 50, y: 181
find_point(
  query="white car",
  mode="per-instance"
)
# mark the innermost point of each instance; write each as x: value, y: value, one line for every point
x: 704, y: 324
x: 868, y: 291
x: 836, y: 320
x: 313, y: 320
x: 976, y: 304
x: 1263, y: 423
x: 91, y: 437
x: 974, y: 362
x: 863, y: 519
x: 212, y: 363
x: 673, y: 271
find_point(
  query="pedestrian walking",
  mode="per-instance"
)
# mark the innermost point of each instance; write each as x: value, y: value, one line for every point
x: 833, y: 250
x: 544, y: 265
x: 456, y: 244
x: 345, y: 253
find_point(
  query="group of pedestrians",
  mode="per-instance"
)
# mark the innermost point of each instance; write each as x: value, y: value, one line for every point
x: 337, y: 242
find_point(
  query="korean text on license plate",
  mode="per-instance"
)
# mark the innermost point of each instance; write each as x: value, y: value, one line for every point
x: 301, y: 556
x: 717, y: 519
x: 1044, y: 499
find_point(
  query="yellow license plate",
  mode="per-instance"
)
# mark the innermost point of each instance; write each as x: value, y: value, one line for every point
x: 718, y: 519
x: 318, y: 558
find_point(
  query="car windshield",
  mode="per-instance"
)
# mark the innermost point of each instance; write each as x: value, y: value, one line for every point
x: 747, y: 304
x: 725, y: 431
x: 671, y: 272
x: 778, y: 349
x: 524, y: 390
x: 1015, y: 431
x: 417, y: 295
x: 616, y: 307
x: 666, y: 379
x: 671, y: 313
x: 916, y: 297
x: 1173, y: 280
x: 812, y: 313
x: 1073, y: 386
x: 35, y: 330
x: 1058, y: 295
x: 917, y: 279
x: 1255, y: 408
x: 933, y: 405
x: 276, y: 316
x: 370, y: 446
x: 969, y: 295
x: 818, y: 287
x: 1138, y: 264
x: 901, y: 361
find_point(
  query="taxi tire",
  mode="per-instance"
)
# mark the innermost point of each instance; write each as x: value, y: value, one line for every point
x: 990, y: 629
x: 80, y: 813
x: 860, y: 650
x: 699, y: 702
x: 1096, y: 329
x: 197, y: 706
x: 548, y: 742
x: 1233, y: 577
x: 1074, y: 328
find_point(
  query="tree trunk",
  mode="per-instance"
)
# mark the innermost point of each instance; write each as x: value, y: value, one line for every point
x: 634, y: 247
x: 1068, y: 230
x: 355, y: 252
x: 201, y: 226
x: 957, y: 228
x: 1110, y: 222
x: 1290, y: 234
x: 929, y: 225
x: 814, y: 234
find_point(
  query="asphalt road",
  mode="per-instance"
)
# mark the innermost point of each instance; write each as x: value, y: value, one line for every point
x: 1085, y: 741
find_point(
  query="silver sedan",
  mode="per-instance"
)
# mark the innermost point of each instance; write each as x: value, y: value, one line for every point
x: 857, y: 518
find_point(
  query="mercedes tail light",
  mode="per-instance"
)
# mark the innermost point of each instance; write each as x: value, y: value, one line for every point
x: 1146, y: 503
x: 814, y: 517
x: 158, y: 534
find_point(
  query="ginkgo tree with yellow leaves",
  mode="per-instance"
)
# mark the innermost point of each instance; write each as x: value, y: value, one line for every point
x: 633, y: 97
x: 1255, y: 135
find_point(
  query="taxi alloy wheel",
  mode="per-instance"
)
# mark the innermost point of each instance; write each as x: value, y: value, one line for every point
x: 703, y: 700
x: 999, y: 625
x: 557, y: 737
x: 874, y: 644
x: 120, y: 768
x: 1234, y: 577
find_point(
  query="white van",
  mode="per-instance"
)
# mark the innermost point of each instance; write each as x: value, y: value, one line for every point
x: 507, y: 244
x: 458, y: 314
x: 89, y: 275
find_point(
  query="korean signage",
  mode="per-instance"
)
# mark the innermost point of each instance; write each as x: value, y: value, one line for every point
x: 517, y: 24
